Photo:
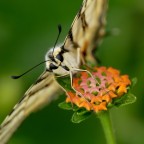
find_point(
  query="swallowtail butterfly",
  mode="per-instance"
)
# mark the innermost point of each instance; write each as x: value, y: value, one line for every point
x: 83, y: 37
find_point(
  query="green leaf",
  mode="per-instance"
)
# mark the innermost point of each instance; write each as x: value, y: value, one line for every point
x: 65, y: 82
x: 125, y: 100
x: 81, y: 111
x: 66, y: 106
x: 80, y: 116
x: 134, y: 81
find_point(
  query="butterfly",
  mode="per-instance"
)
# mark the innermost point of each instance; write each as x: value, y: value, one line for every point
x: 85, y: 34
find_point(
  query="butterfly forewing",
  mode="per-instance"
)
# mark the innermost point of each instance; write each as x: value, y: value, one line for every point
x: 88, y: 28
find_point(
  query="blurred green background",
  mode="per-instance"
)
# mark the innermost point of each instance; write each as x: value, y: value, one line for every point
x: 28, y: 28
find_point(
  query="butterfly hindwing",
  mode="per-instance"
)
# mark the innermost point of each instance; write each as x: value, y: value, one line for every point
x: 38, y: 95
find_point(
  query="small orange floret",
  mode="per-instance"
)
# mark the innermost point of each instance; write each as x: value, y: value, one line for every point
x: 125, y: 79
x: 97, y: 94
x: 106, y: 98
x: 100, y: 107
x: 112, y: 94
x: 122, y: 89
x: 86, y: 105
x: 113, y: 71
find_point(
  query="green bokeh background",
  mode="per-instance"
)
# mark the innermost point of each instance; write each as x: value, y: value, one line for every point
x: 28, y: 28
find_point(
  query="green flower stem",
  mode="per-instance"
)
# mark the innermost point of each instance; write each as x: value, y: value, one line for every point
x: 107, y: 127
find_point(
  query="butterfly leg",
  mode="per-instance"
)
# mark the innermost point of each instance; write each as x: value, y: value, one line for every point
x: 71, y: 78
x: 77, y: 92
x: 61, y: 75
x: 81, y: 58
x: 82, y: 70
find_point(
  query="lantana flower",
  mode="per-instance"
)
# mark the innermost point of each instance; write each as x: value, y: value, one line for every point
x: 98, y: 91
x: 101, y: 90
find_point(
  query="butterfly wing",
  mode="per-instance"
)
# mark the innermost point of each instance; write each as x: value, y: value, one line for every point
x: 39, y: 94
x: 88, y: 28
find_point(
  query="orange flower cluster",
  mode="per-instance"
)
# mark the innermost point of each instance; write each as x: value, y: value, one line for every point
x: 97, y: 91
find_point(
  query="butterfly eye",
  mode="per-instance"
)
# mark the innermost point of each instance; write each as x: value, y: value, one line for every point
x: 60, y: 57
x: 52, y: 67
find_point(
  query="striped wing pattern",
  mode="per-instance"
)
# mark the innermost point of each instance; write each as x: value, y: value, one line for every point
x: 38, y: 95
x: 85, y: 33
x: 88, y: 28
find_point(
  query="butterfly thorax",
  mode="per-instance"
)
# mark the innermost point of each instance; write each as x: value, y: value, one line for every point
x: 60, y: 61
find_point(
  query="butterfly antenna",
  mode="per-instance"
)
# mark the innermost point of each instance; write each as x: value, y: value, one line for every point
x: 59, y: 32
x: 18, y: 76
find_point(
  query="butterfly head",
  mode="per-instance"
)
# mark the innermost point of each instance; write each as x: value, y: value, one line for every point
x: 55, y: 59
